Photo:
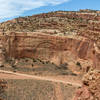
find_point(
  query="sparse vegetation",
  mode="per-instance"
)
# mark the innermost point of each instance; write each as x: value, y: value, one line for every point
x: 3, y: 86
x: 29, y: 89
x: 64, y: 66
x: 79, y: 65
x: 62, y: 27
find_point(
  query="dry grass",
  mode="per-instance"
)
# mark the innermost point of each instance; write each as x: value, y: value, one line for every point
x: 39, y: 68
x: 37, y: 90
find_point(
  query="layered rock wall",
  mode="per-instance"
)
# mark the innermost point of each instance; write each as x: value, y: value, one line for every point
x: 50, y: 48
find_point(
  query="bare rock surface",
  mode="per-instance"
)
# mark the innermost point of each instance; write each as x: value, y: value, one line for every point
x: 91, y: 87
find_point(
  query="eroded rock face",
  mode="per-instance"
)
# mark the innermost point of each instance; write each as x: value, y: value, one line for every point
x: 91, y: 87
x: 83, y: 23
x: 2, y: 53
x: 49, y: 48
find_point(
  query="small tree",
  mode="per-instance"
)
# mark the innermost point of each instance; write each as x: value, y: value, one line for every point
x: 32, y: 65
x: 78, y: 64
x: 13, y: 63
x: 64, y: 66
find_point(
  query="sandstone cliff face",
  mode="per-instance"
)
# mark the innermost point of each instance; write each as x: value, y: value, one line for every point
x: 50, y: 48
x: 84, y: 22
x: 91, y: 87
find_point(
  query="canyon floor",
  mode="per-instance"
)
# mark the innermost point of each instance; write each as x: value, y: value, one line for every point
x: 46, y: 83
x: 31, y: 87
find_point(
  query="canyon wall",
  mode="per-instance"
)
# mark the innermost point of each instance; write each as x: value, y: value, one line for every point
x: 49, y: 48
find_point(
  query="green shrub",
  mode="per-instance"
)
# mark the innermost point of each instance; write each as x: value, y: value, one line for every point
x: 79, y: 65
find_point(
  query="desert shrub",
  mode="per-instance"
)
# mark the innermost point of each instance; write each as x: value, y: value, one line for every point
x: 54, y: 65
x: 40, y: 60
x: 43, y: 62
x: 32, y: 65
x: 88, y: 68
x: 47, y: 62
x: 2, y: 66
x: 79, y: 65
x: 63, y: 66
x: 55, y: 32
x: 34, y: 60
x: 14, y: 70
x: 14, y: 66
x: 26, y: 59
x: 73, y: 74
x: 64, y: 73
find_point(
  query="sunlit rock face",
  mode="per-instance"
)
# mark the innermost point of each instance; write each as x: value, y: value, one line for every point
x: 27, y: 38
x: 91, y: 87
x: 50, y: 48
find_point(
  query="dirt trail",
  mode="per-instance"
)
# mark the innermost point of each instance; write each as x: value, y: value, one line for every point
x: 26, y: 76
x: 58, y: 92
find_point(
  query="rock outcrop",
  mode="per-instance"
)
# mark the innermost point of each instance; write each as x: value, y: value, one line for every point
x: 91, y: 87
x: 84, y: 23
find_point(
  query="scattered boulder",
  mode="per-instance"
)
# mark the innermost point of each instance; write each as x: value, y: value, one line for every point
x: 91, y: 86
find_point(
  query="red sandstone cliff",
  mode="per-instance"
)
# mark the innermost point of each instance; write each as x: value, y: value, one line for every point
x: 50, y: 48
x: 83, y: 23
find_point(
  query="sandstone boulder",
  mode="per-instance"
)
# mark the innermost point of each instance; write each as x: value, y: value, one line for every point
x: 91, y: 87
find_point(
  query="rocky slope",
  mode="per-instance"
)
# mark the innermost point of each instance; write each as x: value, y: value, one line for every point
x: 91, y: 87
x: 56, y: 38
x: 51, y: 35
x: 56, y: 49
x: 84, y: 22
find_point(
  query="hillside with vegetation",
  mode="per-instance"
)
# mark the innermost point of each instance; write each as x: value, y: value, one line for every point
x: 45, y: 56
